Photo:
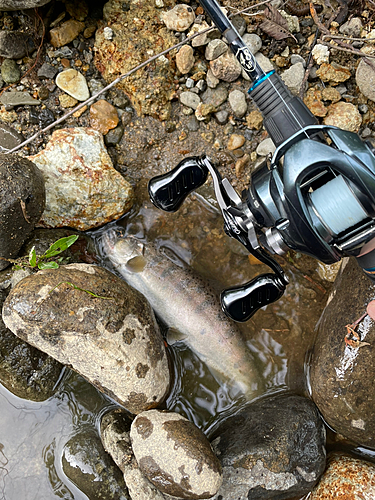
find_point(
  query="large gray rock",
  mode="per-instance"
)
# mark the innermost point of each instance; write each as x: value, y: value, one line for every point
x: 365, y: 79
x: 22, y: 201
x: 342, y: 377
x: 91, y: 469
x: 175, y: 455
x: 273, y: 448
x: 21, y: 4
x: 111, y: 339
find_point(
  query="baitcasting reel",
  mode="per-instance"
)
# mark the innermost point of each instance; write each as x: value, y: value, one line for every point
x: 316, y: 195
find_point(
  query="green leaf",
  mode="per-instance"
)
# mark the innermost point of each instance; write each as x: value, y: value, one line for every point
x: 60, y: 245
x: 48, y: 265
x: 32, y: 257
x: 17, y: 267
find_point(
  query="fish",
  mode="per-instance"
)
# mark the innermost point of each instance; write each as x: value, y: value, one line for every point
x: 186, y: 303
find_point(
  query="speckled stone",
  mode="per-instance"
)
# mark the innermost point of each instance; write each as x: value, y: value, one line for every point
x: 112, y: 340
x: 175, y: 455
x: 180, y: 18
x: 333, y: 73
x: 83, y: 190
x: 226, y: 67
x: 344, y: 115
x: 346, y: 478
x: 185, y: 59
x: 66, y: 33
x: 365, y: 79
x: 10, y: 71
x: 235, y: 141
x: 73, y: 83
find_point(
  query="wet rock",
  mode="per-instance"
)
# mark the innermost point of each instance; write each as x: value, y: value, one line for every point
x: 150, y: 89
x: 185, y: 59
x: 43, y: 117
x: 333, y: 73
x: 114, y: 136
x: 344, y: 115
x: 103, y: 116
x: 22, y: 201
x: 180, y: 18
x: 9, y: 137
x: 15, y: 44
x: 10, y: 71
x: 352, y: 28
x: 254, y: 120
x: 216, y: 97
x: 47, y: 71
x: 25, y: 371
x: 73, y: 83
x: 215, y: 48
x: 342, y: 377
x: 237, y: 101
x: 266, y: 147
x: 91, y: 469
x: 21, y: 4
x: 115, y: 436
x: 66, y: 33
x: 365, y: 79
x: 190, y: 99
x: 320, y: 53
x: 111, y: 339
x: 293, y: 77
x: 235, y: 141
x: 273, y: 448
x: 17, y: 98
x: 83, y: 190
x: 175, y: 455
x: 226, y: 67
x: 347, y: 478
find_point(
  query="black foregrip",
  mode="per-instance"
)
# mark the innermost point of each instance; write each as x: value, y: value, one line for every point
x: 168, y: 191
x: 283, y: 113
x: 240, y: 303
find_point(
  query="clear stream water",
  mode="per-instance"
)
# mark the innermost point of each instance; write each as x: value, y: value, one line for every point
x: 33, y: 435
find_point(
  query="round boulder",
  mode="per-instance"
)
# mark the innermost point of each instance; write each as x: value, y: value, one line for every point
x: 22, y: 201
x: 175, y: 455
x: 342, y: 371
x: 91, y: 320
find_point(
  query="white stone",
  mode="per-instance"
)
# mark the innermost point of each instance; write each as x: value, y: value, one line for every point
x: 73, y: 83
x: 180, y: 18
x: 320, y: 53
x: 266, y: 147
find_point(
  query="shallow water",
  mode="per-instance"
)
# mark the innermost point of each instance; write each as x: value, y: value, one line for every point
x: 33, y: 435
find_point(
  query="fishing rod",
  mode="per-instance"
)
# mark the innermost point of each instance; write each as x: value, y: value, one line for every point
x: 316, y: 195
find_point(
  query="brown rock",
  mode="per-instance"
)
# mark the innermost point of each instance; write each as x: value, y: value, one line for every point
x: 103, y: 116
x: 226, y: 67
x: 254, y: 120
x: 313, y: 101
x: 185, y: 59
x: 66, y: 33
x: 67, y: 101
x: 331, y: 94
x: 346, y: 478
x: 241, y: 164
x: 344, y: 115
x: 235, y: 141
x: 333, y: 73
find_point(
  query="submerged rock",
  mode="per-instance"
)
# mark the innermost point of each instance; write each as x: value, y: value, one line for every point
x: 91, y: 469
x: 346, y: 478
x: 83, y: 190
x: 22, y: 201
x: 24, y: 370
x: 273, y: 448
x: 138, y: 34
x: 111, y: 338
x: 342, y: 377
x: 175, y: 455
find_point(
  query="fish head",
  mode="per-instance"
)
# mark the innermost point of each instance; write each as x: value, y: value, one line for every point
x: 123, y: 250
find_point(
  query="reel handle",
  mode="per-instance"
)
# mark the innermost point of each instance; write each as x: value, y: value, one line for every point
x: 241, y: 302
x: 168, y: 191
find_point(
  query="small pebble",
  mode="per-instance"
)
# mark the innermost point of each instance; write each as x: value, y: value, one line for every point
x: 180, y: 18
x: 185, y: 59
x: 10, y: 71
x: 266, y: 147
x: 237, y: 101
x: 235, y: 141
x: 103, y: 116
x: 190, y: 99
x: 67, y: 101
x: 73, y: 83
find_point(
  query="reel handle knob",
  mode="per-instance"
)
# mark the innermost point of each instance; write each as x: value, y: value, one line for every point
x: 168, y: 191
x: 241, y: 302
